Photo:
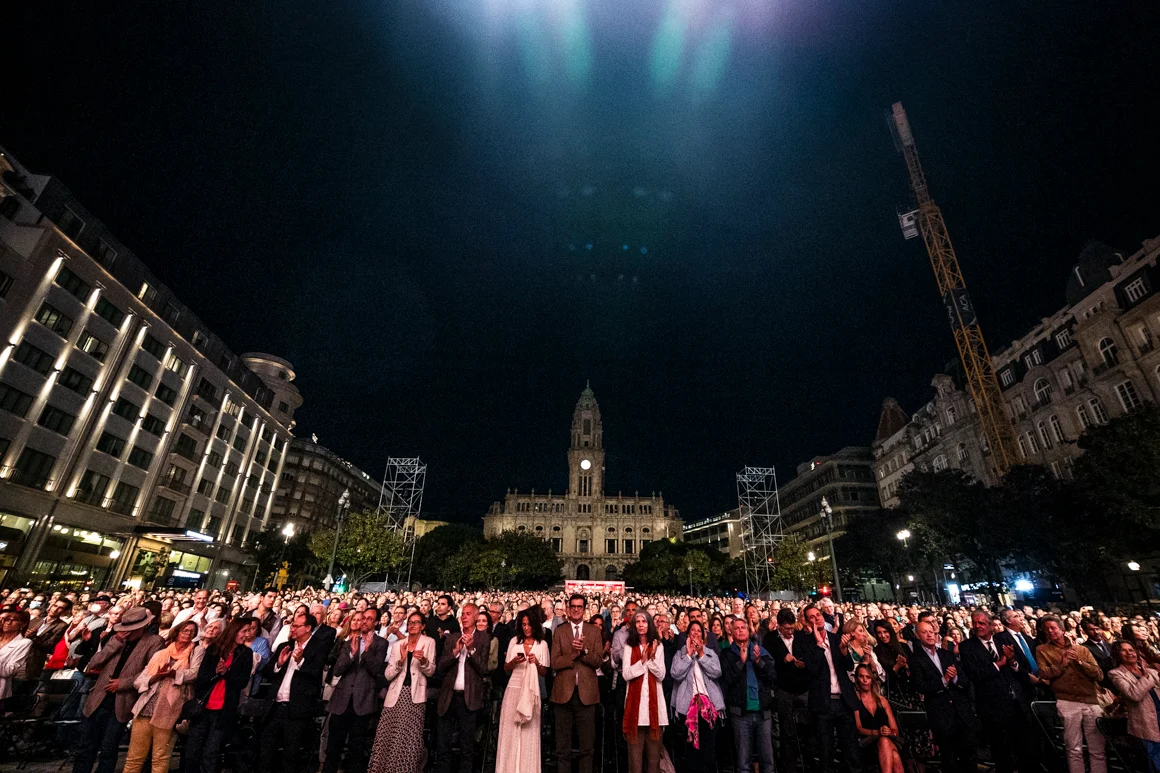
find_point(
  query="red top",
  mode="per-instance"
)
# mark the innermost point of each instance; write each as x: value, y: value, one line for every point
x: 217, y: 696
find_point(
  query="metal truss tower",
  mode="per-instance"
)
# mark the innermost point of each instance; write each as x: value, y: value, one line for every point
x: 761, y: 529
x: 401, y: 500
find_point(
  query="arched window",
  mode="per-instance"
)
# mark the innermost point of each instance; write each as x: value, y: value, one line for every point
x: 952, y: 415
x: 628, y: 530
x: 521, y: 528
x: 582, y: 572
x: 940, y: 463
x: 963, y: 452
x: 1044, y: 439
x: 539, y: 528
x: 1085, y: 419
x: 612, y: 530
x: 1057, y: 428
x: 1042, y: 391
x: 555, y: 528
x: 646, y: 530
x: 610, y: 573
x: 1108, y: 352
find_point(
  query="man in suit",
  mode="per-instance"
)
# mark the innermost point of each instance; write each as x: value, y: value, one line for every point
x: 936, y: 674
x: 996, y: 669
x: 46, y: 632
x: 577, y: 651
x: 787, y: 647
x: 832, y: 699
x: 1096, y: 644
x: 354, y: 701
x: 1016, y: 625
x: 295, y: 675
x: 109, y: 706
x: 462, y: 666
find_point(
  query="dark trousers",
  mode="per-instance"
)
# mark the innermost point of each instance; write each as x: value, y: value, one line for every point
x: 837, y: 716
x: 346, y: 730
x: 1010, y: 734
x: 462, y: 719
x: 753, y: 740
x: 204, y: 742
x: 100, y: 738
x: 956, y: 744
x: 280, y: 727
x: 703, y: 759
x: 574, y: 712
x: 789, y: 750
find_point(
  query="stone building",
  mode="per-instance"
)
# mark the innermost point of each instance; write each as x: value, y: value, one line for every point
x: 135, y: 447
x: 1092, y: 360
x: 311, y: 484
x: 596, y: 535
x: 844, y: 478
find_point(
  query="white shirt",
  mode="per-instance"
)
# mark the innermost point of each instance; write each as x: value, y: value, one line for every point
x: 835, y: 688
x: 787, y: 642
x: 291, y: 668
x: 460, y: 674
x: 13, y: 661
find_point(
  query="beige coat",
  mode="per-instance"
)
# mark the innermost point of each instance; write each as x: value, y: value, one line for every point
x: 419, y: 673
x: 105, y: 661
x: 176, y: 691
x: 1141, y: 709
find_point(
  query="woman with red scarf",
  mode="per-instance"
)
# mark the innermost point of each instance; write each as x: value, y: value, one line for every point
x: 645, y: 712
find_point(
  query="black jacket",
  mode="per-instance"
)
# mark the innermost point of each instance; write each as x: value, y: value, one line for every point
x: 734, y: 678
x: 306, y: 687
x: 947, y: 705
x: 996, y: 689
x: 789, y: 677
x: 236, y: 678
x: 819, y: 670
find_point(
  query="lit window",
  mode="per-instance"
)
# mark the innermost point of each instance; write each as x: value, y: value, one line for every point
x: 1108, y: 352
x: 1042, y: 391
x: 1098, y: 411
x: 1007, y: 377
x: 1127, y: 394
x: 1135, y: 290
x: 1063, y: 339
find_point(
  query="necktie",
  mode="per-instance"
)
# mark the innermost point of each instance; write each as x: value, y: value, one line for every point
x: 1027, y: 652
x: 576, y: 635
x: 994, y: 654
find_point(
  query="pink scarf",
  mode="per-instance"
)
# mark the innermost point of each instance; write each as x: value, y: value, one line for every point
x: 699, y: 706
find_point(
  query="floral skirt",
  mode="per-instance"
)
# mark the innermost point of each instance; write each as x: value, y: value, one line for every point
x: 399, y: 740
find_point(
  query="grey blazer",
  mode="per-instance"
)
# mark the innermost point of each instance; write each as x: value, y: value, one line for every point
x: 106, y: 662
x: 357, y: 678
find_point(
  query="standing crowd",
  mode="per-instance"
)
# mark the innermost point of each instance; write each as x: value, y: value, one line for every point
x: 403, y: 682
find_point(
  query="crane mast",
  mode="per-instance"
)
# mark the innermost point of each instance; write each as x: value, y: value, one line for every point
x: 982, y: 383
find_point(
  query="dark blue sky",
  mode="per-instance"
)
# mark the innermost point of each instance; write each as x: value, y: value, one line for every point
x: 399, y: 198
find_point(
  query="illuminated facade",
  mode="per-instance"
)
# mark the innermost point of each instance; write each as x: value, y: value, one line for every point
x: 596, y: 535
x: 127, y: 428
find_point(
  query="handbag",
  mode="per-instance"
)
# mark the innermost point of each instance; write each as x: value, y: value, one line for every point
x: 194, y: 708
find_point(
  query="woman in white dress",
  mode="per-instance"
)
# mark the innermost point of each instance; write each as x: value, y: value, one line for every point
x: 519, y: 716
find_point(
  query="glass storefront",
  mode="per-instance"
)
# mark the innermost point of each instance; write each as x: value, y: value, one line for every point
x: 167, y: 568
x: 75, y: 559
x: 13, y: 533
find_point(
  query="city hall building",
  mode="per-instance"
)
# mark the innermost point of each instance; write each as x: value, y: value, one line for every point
x: 596, y: 535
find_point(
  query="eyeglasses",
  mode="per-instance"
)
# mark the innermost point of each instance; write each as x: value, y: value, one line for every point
x: 576, y: 606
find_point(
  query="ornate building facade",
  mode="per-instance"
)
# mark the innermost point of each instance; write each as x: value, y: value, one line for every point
x: 595, y: 534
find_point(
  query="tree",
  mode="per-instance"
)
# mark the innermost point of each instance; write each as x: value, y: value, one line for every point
x: 436, y: 547
x: 367, y: 546
x: 530, y: 561
x: 269, y: 549
x: 792, y: 569
x: 870, y: 549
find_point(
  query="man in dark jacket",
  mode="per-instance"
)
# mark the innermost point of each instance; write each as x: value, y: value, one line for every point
x: 936, y: 674
x: 747, y: 678
x: 45, y: 633
x: 295, y: 675
x: 462, y: 666
x: 832, y: 699
x: 354, y: 701
x: 788, y: 646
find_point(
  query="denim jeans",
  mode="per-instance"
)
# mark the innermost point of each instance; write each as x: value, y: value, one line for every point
x: 100, y: 737
x: 753, y: 737
x: 1152, y: 750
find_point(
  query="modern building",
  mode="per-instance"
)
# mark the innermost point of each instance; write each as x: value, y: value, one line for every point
x: 721, y: 532
x: 596, y: 535
x: 845, y: 479
x: 1092, y: 360
x: 135, y: 447
x: 312, y: 481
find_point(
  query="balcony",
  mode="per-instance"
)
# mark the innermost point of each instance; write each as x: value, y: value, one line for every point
x: 178, y: 486
x: 1069, y: 389
x: 1104, y: 367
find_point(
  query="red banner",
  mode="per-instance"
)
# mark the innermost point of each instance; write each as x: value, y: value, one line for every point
x: 594, y: 586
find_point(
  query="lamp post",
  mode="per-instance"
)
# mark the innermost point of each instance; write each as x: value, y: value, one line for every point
x: 502, y: 572
x: 812, y: 558
x: 904, y: 536
x: 343, y: 504
x: 828, y: 517
x: 287, y: 534
x: 690, y: 568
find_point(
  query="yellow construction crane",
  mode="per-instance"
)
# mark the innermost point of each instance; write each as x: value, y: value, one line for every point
x: 982, y: 384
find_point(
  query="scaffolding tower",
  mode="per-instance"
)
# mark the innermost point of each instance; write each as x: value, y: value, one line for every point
x: 401, y: 500
x: 761, y: 528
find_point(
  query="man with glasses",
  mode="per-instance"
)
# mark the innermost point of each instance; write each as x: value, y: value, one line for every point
x: 352, y: 705
x: 577, y: 651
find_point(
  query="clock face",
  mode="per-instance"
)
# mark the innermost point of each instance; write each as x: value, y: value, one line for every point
x: 585, y: 464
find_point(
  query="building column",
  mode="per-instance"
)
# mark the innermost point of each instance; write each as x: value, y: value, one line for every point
x: 32, y: 546
x: 124, y: 561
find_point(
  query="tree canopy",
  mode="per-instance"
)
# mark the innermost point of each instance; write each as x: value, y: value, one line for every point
x: 367, y: 546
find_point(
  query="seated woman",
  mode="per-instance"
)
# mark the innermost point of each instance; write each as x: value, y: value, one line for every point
x: 875, y: 721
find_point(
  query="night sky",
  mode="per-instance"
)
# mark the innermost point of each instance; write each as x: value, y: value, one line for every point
x: 399, y: 197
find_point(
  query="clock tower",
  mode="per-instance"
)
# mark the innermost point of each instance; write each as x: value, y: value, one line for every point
x: 586, y: 454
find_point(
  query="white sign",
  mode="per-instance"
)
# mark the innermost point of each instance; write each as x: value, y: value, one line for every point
x: 594, y: 586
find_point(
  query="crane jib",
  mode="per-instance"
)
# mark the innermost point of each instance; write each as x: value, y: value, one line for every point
x: 960, y: 310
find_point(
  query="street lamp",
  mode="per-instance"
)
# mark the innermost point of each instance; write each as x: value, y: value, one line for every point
x: 1134, y: 566
x: 904, y: 535
x: 690, y: 568
x: 343, y: 505
x: 288, y: 534
x: 827, y: 515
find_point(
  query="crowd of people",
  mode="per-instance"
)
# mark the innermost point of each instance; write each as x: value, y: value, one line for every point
x: 671, y: 681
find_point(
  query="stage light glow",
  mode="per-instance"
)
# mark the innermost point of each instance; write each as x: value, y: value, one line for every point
x: 1024, y: 586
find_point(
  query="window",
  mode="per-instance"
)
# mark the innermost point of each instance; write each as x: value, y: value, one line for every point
x: 124, y: 498
x: 111, y: 445
x: 1022, y: 447
x: 609, y: 546
x: 1019, y: 406
x: 126, y: 409
x: 110, y: 312
x: 140, y: 376
x: 171, y: 314
x: 214, y: 460
x: 207, y: 390
x: 1044, y: 439
x: 14, y: 401
x: 1127, y: 394
x: 173, y: 363
x: 940, y: 463
x: 557, y: 544
x: 962, y: 452
x: 283, y: 407
x: 214, y: 527
x: 1108, y: 352
x: 1085, y: 419
x: 1066, y: 379
x: 196, y: 518
x: 1033, y: 358
x: 232, y: 470
x: 198, y: 339
x: 54, y: 320
x: 33, y: 357
x: 166, y: 394
x: 91, y: 490
x: 70, y: 224
x: 1056, y: 428
x: 73, y: 379
x: 224, y: 432
x: 32, y: 468
x: 196, y: 418
x: 1007, y: 377
x: 162, y: 511
x: 105, y: 254
x: 153, y: 425
x: 72, y: 283
x: 260, y: 457
x: 186, y: 446
x: 582, y: 547
x: 146, y: 293
x: 92, y: 346
x: 1042, y: 391
x: 153, y: 346
x: 1098, y: 411
x: 5, y: 284
x: 1135, y: 290
x: 952, y: 415
x: 56, y: 420
x: 223, y: 495
x: 1032, y: 443
x: 629, y: 547
x: 240, y: 442
x: 205, y: 487
x: 1063, y: 339
x: 139, y: 457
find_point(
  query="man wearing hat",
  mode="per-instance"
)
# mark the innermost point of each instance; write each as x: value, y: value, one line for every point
x: 109, y: 706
